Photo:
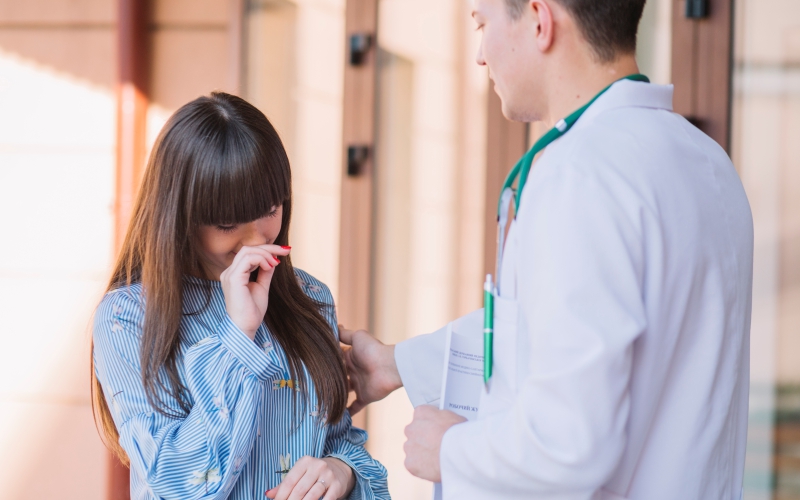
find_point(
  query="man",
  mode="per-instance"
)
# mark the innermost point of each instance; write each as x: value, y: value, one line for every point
x: 623, y: 312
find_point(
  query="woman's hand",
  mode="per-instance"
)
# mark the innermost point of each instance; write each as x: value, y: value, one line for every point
x: 246, y: 302
x: 316, y: 478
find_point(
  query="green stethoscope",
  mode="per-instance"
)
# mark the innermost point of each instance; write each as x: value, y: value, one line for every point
x: 521, y: 171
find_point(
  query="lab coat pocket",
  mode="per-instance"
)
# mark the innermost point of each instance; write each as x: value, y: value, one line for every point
x: 502, y: 387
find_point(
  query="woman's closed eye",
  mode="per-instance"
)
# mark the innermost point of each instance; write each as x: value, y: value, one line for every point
x: 227, y: 228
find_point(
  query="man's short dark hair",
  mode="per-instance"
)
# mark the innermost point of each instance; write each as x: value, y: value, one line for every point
x: 610, y: 26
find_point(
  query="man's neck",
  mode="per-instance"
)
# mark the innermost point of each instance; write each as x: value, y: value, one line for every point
x: 578, y: 84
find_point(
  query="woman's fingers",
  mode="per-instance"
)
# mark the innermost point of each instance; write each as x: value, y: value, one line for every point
x: 309, y: 479
x: 269, y: 253
x: 332, y: 494
x: 293, y: 478
x: 247, y: 302
x: 315, y: 469
x: 265, y: 278
x: 246, y: 254
x: 316, y: 492
x: 275, y: 249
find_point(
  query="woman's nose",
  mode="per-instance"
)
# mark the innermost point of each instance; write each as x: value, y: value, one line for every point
x: 254, y: 236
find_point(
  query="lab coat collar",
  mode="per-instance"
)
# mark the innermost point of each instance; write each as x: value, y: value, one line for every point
x: 627, y: 94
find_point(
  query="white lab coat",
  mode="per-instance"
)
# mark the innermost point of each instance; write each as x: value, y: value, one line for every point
x: 622, y: 326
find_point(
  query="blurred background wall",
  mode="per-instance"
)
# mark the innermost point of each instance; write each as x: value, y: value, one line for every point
x: 766, y: 150
x: 69, y: 164
x: 57, y: 174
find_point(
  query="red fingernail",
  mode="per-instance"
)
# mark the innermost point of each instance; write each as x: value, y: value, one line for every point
x: 286, y: 248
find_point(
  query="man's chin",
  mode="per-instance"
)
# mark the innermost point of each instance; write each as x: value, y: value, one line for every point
x: 516, y: 113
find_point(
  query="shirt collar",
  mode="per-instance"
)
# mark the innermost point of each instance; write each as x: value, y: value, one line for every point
x: 630, y: 94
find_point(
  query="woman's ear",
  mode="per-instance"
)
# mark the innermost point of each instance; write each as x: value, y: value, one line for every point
x: 542, y: 16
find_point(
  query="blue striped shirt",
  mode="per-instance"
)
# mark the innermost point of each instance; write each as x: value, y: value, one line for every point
x: 243, y: 428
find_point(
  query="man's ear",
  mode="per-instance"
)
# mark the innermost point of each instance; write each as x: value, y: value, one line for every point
x: 541, y: 15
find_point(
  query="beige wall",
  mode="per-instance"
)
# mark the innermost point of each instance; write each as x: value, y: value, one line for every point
x: 303, y: 96
x: 766, y: 125
x: 429, y: 198
x: 290, y: 66
x: 57, y: 122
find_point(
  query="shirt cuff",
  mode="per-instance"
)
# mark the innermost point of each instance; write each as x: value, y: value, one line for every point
x: 245, y: 350
x: 420, y: 361
x: 362, y: 489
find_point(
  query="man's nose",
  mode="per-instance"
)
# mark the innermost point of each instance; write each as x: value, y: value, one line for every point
x: 479, y: 56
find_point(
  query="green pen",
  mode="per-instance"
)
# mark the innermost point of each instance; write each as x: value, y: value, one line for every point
x: 488, y: 328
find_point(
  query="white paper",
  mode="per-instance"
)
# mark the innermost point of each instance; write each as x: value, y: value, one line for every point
x: 462, y: 378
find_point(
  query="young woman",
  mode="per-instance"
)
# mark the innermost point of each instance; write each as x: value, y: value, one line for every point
x: 216, y: 367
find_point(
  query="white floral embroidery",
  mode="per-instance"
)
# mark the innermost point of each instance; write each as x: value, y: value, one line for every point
x: 268, y: 347
x: 116, y: 327
x: 209, y: 476
x: 307, y: 287
x: 220, y: 404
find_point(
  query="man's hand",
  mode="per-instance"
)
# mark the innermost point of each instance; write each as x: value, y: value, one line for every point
x: 425, y: 434
x: 370, y: 367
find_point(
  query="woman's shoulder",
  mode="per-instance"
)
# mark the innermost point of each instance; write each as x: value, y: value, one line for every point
x: 313, y: 287
x: 119, y: 306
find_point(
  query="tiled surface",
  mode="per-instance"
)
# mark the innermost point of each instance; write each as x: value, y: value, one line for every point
x: 187, y: 12
x: 178, y: 78
x: 57, y: 11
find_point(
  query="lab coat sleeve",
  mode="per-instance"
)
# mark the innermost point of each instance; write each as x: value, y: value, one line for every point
x: 579, y: 292
x: 420, y: 360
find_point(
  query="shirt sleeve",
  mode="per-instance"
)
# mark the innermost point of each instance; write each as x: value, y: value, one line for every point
x: 183, y: 456
x: 346, y: 443
x: 343, y: 441
x: 579, y: 292
x: 420, y: 360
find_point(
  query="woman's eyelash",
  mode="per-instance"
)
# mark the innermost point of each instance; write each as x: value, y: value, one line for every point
x: 273, y: 213
x: 226, y: 229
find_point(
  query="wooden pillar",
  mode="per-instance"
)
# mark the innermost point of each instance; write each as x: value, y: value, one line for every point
x: 702, y: 52
x: 357, y: 176
x: 506, y: 142
x: 355, y: 249
x: 133, y: 65
x: 132, y: 101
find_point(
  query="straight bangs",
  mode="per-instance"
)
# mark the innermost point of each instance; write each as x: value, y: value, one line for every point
x: 240, y: 173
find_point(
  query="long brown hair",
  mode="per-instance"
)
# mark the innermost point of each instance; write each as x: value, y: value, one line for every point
x: 217, y: 161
